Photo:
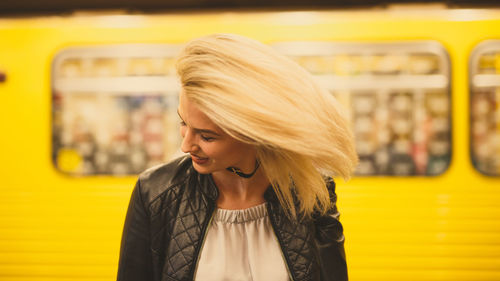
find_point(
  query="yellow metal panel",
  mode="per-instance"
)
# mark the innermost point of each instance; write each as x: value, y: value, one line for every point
x: 55, y: 227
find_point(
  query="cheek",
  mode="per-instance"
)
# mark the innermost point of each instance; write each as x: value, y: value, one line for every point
x: 224, y: 152
x: 214, y: 151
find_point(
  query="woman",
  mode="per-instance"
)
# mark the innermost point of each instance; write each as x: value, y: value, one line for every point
x: 254, y: 200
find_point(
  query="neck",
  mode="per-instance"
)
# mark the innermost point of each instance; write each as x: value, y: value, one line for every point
x: 236, y: 192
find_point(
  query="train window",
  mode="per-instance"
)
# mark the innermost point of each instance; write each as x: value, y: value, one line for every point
x: 114, y: 109
x: 398, y: 95
x: 484, y: 84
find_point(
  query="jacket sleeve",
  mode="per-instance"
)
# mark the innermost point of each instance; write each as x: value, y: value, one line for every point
x: 330, y: 241
x: 135, y: 253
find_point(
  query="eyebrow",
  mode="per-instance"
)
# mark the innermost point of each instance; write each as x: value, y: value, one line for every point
x: 206, y: 131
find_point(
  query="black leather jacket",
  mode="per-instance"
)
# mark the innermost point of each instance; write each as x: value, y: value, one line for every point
x: 171, y: 208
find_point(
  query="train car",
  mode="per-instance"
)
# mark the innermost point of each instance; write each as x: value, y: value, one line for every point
x: 88, y: 101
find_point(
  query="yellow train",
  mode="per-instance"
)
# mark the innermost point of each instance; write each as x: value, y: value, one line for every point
x: 88, y: 101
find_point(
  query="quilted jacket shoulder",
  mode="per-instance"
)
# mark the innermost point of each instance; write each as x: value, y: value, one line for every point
x: 156, y: 180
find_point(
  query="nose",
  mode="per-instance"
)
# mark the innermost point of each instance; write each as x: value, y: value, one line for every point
x: 188, y: 142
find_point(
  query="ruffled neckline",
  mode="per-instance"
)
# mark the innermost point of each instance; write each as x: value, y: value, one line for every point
x: 241, y: 216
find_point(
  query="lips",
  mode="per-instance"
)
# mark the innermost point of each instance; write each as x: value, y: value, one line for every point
x: 199, y: 160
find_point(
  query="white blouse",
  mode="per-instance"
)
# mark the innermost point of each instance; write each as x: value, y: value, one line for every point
x: 241, y: 246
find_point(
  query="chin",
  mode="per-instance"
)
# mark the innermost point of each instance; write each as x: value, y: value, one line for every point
x: 207, y: 168
x: 202, y: 169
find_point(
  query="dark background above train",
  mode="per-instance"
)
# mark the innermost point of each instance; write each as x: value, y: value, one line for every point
x: 27, y: 7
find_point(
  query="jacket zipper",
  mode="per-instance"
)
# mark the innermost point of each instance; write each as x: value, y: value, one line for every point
x: 205, y: 229
x: 279, y: 243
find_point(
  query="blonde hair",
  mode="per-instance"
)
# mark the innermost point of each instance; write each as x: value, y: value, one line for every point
x: 263, y: 98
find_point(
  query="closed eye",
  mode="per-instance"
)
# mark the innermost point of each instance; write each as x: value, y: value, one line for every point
x: 205, y: 138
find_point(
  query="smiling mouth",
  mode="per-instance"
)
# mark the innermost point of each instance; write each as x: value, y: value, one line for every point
x: 199, y: 160
x: 198, y: 157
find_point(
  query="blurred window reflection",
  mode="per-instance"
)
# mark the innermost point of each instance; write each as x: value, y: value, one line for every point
x: 114, y: 108
x: 398, y: 95
x: 485, y: 107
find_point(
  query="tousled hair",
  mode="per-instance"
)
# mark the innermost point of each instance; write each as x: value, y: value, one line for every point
x: 263, y: 98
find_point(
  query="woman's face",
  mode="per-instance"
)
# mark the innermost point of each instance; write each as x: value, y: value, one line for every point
x: 212, y: 150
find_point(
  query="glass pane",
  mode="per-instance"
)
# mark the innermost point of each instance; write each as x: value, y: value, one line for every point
x: 114, y: 109
x: 485, y: 107
x: 398, y: 96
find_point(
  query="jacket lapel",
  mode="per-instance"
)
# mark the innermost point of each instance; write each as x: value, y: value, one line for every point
x: 296, y: 241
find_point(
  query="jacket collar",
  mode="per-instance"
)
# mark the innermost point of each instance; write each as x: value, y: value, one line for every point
x: 208, y: 186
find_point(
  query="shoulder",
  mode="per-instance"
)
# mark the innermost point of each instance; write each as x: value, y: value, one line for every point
x: 332, y: 209
x: 156, y: 180
x: 330, y: 185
